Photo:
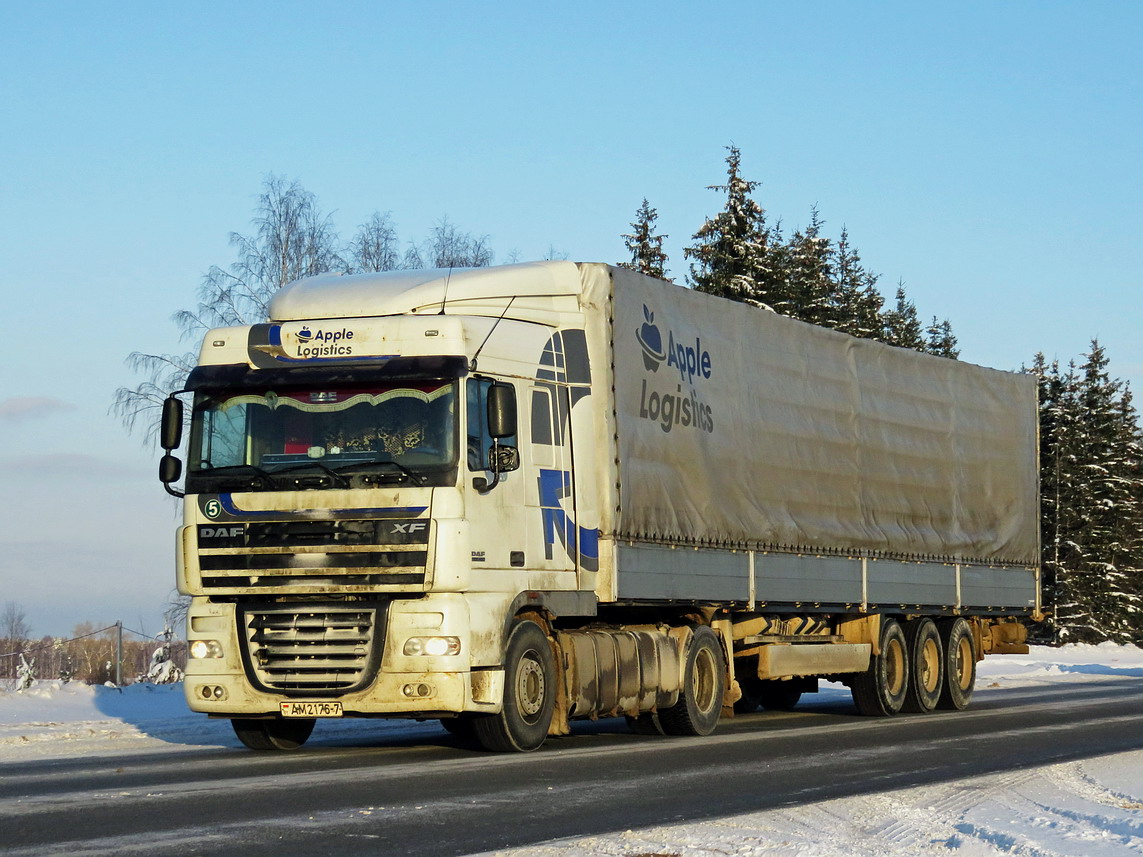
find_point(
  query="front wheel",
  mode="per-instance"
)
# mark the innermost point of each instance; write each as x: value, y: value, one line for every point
x: 704, y: 685
x: 529, y: 694
x: 273, y: 734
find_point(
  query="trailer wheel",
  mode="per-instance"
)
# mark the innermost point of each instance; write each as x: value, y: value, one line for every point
x: 529, y: 694
x: 926, y: 666
x: 960, y: 664
x: 880, y: 690
x: 704, y: 685
x: 272, y: 734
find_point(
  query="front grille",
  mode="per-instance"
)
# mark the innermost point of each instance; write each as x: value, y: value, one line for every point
x: 312, y: 554
x: 314, y: 650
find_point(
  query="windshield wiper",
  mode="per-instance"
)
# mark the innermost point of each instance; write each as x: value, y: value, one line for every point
x: 333, y: 474
x: 413, y: 475
x: 257, y: 476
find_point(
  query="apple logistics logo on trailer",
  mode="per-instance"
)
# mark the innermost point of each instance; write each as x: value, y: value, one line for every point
x: 674, y: 408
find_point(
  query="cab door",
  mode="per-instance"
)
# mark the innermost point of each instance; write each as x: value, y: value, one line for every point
x: 495, y: 507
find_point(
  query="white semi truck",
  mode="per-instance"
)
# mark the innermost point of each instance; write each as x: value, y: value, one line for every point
x: 510, y: 497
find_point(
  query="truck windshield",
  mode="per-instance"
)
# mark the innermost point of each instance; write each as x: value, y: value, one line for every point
x: 333, y: 437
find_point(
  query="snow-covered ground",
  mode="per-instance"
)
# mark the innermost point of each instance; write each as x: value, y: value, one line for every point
x: 1089, y: 808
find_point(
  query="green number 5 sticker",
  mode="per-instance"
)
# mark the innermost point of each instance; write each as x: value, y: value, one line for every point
x: 212, y: 509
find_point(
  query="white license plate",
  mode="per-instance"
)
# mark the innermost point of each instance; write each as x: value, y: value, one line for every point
x: 311, y: 709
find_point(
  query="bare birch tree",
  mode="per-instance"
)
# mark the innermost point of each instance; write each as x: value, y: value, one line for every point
x: 292, y: 238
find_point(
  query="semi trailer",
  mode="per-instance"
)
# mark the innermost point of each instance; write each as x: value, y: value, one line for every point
x: 512, y: 497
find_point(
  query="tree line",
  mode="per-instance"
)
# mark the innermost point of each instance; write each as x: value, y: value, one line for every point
x: 739, y: 254
x: 88, y: 655
x: 1092, y: 469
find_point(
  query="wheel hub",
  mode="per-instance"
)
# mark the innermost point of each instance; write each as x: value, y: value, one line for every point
x: 530, y: 686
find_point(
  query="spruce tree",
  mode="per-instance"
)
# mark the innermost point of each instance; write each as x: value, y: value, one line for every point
x: 856, y: 302
x: 810, y: 283
x: 1091, y: 493
x: 901, y: 327
x: 1059, y: 480
x: 1130, y: 443
x: 1106, y: 499
x: 646, y: 248
x: 733, y: 256
x: 940, y: 339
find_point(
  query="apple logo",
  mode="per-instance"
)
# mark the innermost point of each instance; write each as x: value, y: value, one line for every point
x: 651, y: 340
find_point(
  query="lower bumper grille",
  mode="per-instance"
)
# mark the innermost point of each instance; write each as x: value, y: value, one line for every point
x: 313, y: 650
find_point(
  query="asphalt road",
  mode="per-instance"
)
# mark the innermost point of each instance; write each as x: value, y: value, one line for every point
x: 430, y: 796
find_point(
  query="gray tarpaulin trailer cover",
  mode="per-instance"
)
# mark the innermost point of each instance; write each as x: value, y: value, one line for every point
x: 737, y: 429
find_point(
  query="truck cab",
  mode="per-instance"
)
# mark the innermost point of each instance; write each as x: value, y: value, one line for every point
x: 375, y: 488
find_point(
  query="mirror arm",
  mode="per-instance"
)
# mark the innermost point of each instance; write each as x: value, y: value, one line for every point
x: 488, y: 486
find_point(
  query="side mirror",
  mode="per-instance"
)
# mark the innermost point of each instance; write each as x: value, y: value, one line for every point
x: 170, y: 469
x: 503, y: 459
x: 501, y: 411
x: 171, y: 427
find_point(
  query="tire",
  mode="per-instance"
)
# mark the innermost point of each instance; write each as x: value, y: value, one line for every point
x: 529, y: 694
x: 265, y: 735
x: 751, y: 699
x: 704, y: 685
x: 880, y: 690
x: 960, y: 664
x: 775, y: 697
x: 771, y: 694
x: 926, y: 666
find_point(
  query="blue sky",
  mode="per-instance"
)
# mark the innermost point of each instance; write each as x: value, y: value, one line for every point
x: 985, y: 153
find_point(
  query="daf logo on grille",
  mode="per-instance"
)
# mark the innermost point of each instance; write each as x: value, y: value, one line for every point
x: 220, y: 532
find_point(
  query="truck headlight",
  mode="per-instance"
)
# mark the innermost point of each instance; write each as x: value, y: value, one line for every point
x: 205, y: 649
x: 432, y: 646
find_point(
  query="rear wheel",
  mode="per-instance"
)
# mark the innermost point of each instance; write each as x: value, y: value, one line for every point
x: 529, y: 694
x: 273, y: 734
x: 880, y: 690
x: 960, y: 664
x: 926, y: 666
x: 704, y: 684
